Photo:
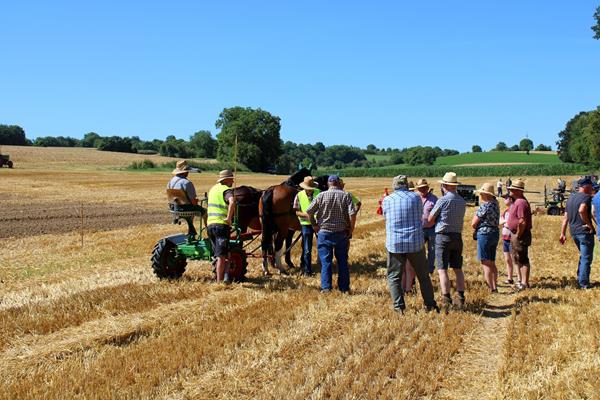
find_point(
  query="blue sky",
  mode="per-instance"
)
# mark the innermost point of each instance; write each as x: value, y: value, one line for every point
x: 391, y: 73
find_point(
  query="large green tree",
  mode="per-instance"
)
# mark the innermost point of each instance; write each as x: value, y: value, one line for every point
x: 203, y: 144
x: 596, y: 28
x: 258, y: 138
x: 13, y: 134
x: 526, y: 145
x: 571, y: 142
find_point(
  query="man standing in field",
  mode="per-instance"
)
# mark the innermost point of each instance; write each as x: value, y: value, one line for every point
x: 520, y: 224
x: 578, y: 216
x: 333, y: 215
x: 428, y: 199
x: 403, y: 211
x: 449, y: 214
x: 221, y: 207
x: 301, y: 203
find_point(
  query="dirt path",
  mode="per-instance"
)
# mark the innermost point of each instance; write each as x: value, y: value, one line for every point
x: 475, y: 370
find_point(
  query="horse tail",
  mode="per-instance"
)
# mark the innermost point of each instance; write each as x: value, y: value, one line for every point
x: 267, y: 219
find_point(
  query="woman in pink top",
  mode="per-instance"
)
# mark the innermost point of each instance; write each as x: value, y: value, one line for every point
x: 506, y: 233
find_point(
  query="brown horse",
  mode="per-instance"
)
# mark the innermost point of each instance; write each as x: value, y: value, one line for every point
x: 279, y: 220
x: 248, y: 200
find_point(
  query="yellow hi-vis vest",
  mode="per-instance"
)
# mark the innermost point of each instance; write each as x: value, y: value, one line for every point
x: 217, y: 207
x: 304, y: 202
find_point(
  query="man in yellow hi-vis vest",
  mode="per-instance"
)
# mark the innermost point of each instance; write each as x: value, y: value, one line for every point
x: 301, y: 203
x: 220, y: 210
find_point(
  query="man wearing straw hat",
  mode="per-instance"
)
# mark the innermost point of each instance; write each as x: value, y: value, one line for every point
x: 428, y: 199
x: 448, y: 214
x: 180, y: 181
x: 403, y: 211
x: 520, y: 224
x: 301, y: 203
x: 221, y: 207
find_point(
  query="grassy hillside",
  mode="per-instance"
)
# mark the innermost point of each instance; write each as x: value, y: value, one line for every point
x: 499, y: 157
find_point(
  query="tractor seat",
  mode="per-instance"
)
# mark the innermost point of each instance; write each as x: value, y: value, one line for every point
x: 180, y: 206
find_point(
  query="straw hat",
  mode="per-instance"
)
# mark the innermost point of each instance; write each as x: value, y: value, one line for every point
x: 486, y: 188
x: 422, y: 183
x: 181, y: 167
x: 518, y: 184
x: 449, y: 179
x: 399, y: 181
x: 411, y: 185
x: 225, y: 174
x: 308, y: 183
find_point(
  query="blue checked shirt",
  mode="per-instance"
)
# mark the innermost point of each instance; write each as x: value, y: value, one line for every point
x: 404, y: 230
x: 450, y: 213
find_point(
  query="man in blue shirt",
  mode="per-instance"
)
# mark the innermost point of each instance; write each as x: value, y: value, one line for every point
x: 403, y: 211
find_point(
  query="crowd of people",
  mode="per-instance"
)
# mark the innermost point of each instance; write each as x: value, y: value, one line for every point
x: 422, y: 232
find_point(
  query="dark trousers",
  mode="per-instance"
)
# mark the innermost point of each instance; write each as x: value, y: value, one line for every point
x: 395, y: 267
x: 307, y: 242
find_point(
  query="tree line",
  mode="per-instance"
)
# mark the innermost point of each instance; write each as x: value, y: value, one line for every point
x: 579, y: 142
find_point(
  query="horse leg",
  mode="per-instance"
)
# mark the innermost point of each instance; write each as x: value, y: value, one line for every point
x: 279, y: 239
x: 288, y: 252
x: 265, y: 263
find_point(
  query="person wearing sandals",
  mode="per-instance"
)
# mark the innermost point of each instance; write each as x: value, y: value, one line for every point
x: 485, y: 222
x: 506, y: 233
x: 520, y: 224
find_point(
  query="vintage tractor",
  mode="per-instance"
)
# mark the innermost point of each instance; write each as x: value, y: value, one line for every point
x: 554, y: 200
x: 467, y: 192
x: 170, y: 254
x: 5, y: 160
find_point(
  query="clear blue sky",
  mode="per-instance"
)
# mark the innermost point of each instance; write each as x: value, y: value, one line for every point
x: 395, y: 74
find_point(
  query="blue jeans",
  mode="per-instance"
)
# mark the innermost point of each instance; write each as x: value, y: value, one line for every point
x: 429, y: 235
x: 328, y: 244
x: 585, y: 244
x: 307, y: 243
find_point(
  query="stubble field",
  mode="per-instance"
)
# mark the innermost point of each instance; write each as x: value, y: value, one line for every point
x: 93, y: 322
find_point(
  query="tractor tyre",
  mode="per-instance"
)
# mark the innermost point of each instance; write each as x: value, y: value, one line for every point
x: 165, y: 262
x: 237, y: 264
x: 10, y: 164
x: 553, y: 210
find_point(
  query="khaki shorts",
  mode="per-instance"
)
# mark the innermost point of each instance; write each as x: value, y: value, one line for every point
x: 520, y: 248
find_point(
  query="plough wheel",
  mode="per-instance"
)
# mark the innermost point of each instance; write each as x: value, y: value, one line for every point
x: 165, y: 263
x: 237, y: 264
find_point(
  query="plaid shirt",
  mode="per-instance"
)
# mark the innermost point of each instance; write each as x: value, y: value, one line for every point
x: 404, y: 231
x: 332, y: 210
x: 450, y: 213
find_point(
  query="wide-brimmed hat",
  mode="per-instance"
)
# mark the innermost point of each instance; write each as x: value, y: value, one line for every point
x: 411, y: 185
x: 518, y: 184
x: 398, y: 181
x: 308, y: 183
x: 225, y: 174
x: 486, y: 188
x: 181, y: 167
x: 422, y: 183
x: 450, y: 179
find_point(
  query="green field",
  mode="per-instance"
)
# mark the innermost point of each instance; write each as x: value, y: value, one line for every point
x: 498, y: 157
x: 377, y: 157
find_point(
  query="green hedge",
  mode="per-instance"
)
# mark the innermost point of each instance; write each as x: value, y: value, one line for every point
x: 202, y: 166
x: 438, y: 171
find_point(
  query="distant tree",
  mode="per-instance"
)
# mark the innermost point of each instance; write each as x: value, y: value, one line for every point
x: 449, y: 152
x: 91, y: 139
x: 257, y: 131
x: 13, y: 135
x: 596, y: 28
x: 514, y: 147
x: 419, y: 155
x: 543, y: 147
x: 203, y: 144
x: 526, y: 145
x: 56, y: 141
x: 173, y: 147
x: 117, y: 143
x: 342, y: 153
x: 396, y: 158
x: 501, y: 146
x: 476, y: 149
x: 570, y: 139
x: 371, y: 149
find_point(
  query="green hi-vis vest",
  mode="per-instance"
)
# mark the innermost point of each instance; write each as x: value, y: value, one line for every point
x: 217, y: 208
x: 304, y: 202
